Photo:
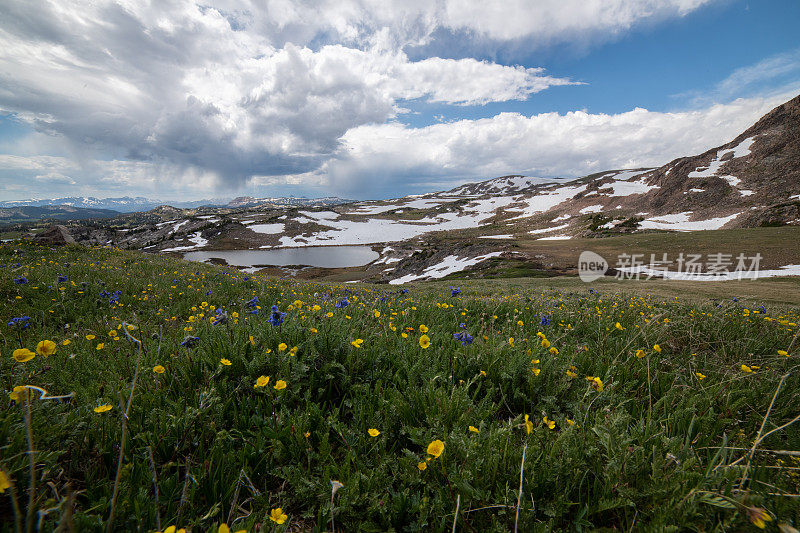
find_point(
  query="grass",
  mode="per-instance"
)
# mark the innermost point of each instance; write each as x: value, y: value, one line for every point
x: 653, y: 446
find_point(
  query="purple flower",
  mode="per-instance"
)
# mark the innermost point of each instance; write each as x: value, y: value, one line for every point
x: 190, y: 341
x: 21, y: 281
x: 545, y: 320
x: 63, y: 279
x: 463, y: 337
x: 252, y: 303
x: 19, y: 322
x: 342, y: 303
x: 455, y: 291
x: 276, y: 318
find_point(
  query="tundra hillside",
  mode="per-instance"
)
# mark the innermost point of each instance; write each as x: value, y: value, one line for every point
x: 147, y: 392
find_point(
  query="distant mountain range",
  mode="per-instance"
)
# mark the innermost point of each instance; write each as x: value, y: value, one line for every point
x: 84, y: 207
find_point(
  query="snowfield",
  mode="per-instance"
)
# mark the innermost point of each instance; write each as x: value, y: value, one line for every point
x: 449, y: 265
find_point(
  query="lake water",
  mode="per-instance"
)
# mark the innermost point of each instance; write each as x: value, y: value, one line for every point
x: 317, y: 256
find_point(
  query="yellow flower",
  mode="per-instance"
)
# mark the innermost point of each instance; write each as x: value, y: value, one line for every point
x: 293, y: 351
x: 618, y: 326
x: 89, y: 337
x: 158, y: 369
x: 280, y: 385
x: 423, y: 328
x: 316, y: 308
x: 700, y: 376
x: 404, y: 335
x: 225, y: 362
x: 657, y: 348
x: 252, y: 341
x: 4, y: 482
x: 549, y: 423
x: 424, y: 342
x: 554, y: 350
x: 15, y: 394
x: 597, y: 383
x: 422, y: 466
x: 640, y: 353
x: 100, y: 346
x: 528, y: 424
x: 329, y: 314
x: 520, y: 323
x: 373, y: 432
x: 572, y: 372
x: 357, y: 343
x: 570, y: 422
x: 783, y: 353
x: 474, y: 429
x: 278, y: 516
x: 545, y: 343
x: 376, y: 313
x: 102, y: 408
x: 282, y: 347
x: 298, y: 304
x: 758, y: 516
x: 223, y: 528
x: 436, y: 448
x: 313, y: 330
x: 536, y: 371
x: 261, y: 382
x: 23, y: 355
x: 483, y: 373
x: 746, y: 369
x: 511, y: 341
x: 65, y: 342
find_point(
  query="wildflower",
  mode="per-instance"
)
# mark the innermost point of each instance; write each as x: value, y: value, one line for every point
x: 700, y: 376
x: 21, y: 281
x: 252, y: 340
x: 783, y: 353
x: 373, y: 432
x: 422, y: 466
x: 545, y: 343
x: 455, y: 291
x: 549, y: 423
x: 17, y: 392
x: 376, y: 313
x: 341, y: 303
x: 436, y: 448
x: 483, y: 373
x: 463, y: 337
x: 570, y: 422
x: 329, y: 314
x: 528, y: 424
x: 251, y: 303
x: 46, y: 348
x: 158, y: 369
x: 474, y: 429
x: 23, y: 355
x: 282, y: 347
x: 511, y: 341
x: 189, y: 341
x: 100, y: 346
x: 89, y: 337
x: 657, y: 348
x: 597, y: 383
x: 423, y: 328
x: 20, y: 322
x: 316, y: 308
x: 618, y: 326
x: 520, y: 323
x: 102, y: 408
x: 357, y: 343
x: 262, y: 381
x: 225, y: 362
x: 758, y: 516
x: 293, y: 351
x: 536, y: 371
x: 640, y: 353
x: 280, y: 385
x: 746, y: 369
x: 545, y: 320
x: 554, y: 350
x: 278, y: 516
x: 572, y: 372
x: 276, y: 317
x: 4, y: 482
x: 424, y: 342
x: 313, y: 330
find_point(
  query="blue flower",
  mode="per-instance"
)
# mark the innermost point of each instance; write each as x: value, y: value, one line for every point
x: 762, y: 309
x: 403, y: 291
x: 463, y: 337
x: 252, y: 303
x: 455, y: 291
x: 276, y: 318
x: 545, y: 320
x: 19, y: 322
x: 190, y: 341
x: 221, y: 318
x: 63, y: 279
x: 342, y: 303
x: 463, y: 325
x: 21, y: 281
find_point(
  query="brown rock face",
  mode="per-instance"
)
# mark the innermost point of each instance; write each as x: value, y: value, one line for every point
x: 54, y: 236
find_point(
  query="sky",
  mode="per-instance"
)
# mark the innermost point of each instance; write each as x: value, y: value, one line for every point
x: 370, y: 99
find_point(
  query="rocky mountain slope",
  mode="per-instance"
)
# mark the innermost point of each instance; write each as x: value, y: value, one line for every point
x: 754, y: 180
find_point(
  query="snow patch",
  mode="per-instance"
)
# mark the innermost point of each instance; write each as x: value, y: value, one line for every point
x: 681, y: 222
x: 449, y: 265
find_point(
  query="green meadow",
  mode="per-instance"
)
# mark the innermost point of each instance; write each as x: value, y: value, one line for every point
x: 146, y: 393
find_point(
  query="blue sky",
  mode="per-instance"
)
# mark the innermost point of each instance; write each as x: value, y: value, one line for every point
x: 369, y: 99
